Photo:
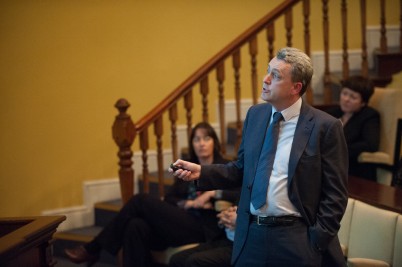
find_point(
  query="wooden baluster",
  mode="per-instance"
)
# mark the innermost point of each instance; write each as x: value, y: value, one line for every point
x: 220, y: 77
x: 364, y: 42
x: 383, y: 40
x: 327, y: 86
x: 173, y: 128
x: 400, y: 25
x: 253, y: 49
x: 289, y: 26
x: 236, y: 67
x: 306, y: 15
x: 306, y: 21
x: 144, y: 146
x: 188, y: 105
x: 270, y: 39
x: 158, y: 130
x: 204, y: 91
x: 345, y: 62
x: 123, y: 132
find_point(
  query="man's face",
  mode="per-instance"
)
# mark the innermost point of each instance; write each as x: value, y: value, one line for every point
x: 278, y: 88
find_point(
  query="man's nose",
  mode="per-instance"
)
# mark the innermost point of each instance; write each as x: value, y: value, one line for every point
x: 267, y: 78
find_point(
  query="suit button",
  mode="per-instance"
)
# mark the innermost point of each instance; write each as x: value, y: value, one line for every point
x: 249, y: 187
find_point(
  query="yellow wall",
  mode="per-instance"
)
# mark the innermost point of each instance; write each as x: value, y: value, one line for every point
x: 63, y: 64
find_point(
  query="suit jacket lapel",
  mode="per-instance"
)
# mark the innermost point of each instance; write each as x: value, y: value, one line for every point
x: 304, y: 127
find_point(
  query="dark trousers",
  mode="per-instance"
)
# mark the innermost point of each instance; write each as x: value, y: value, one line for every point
x: 278, y: 246
x: 216, y: 253
x: 146, y: 223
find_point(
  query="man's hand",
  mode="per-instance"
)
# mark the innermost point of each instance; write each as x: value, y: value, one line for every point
x: 187, y: 171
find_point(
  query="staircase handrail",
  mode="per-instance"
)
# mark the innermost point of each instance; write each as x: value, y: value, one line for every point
x: 186, y: 86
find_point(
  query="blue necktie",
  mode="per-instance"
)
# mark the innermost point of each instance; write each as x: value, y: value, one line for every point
x: 265, y: 163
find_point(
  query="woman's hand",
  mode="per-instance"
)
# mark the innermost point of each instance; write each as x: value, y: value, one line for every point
x: 203, y: 201
x: 196, y: 205
x: 228, y: 217
x: 188, y: 171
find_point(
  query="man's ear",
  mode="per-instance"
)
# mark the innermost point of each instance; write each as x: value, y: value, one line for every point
x: 297, y: 88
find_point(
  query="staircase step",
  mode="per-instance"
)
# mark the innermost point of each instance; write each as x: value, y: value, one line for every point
x: 81, y: 235
x: 388, y: 63
x: 105, y: 211
x: 76, y: 237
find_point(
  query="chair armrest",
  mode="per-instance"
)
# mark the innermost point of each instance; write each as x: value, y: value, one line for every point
x: 377, y: 157
x: 344, y: 250
x: 363, y: 262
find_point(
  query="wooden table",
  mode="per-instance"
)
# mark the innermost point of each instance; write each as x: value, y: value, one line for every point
x: 382, y: 196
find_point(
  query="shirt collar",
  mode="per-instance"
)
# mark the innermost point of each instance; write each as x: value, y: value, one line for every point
x: 290, y: 112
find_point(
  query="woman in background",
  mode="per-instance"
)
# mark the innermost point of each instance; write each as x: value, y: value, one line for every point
x: 147, y: 223
x: 361, y: 123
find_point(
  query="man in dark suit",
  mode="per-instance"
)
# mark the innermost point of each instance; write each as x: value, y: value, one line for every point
x: 306, y: 192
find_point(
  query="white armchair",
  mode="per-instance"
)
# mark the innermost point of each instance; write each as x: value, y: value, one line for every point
x: 370, y: 236
x: 387, y: 102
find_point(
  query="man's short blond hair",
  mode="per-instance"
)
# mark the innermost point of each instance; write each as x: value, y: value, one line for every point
x: 301, y: 66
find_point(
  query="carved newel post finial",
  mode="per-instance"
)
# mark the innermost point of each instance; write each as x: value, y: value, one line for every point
x: 123, y: 131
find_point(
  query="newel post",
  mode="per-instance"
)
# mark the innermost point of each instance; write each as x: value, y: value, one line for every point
x: 123, y: 131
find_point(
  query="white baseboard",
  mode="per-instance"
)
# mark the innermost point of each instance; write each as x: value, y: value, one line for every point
x: 94, y: 191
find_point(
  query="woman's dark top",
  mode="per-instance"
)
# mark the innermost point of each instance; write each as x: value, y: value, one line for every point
x: 362, y: 134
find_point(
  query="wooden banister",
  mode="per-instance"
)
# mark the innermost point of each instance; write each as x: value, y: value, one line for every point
x: 363, y: 15
x: 123, y: 134
x: 345, y: 62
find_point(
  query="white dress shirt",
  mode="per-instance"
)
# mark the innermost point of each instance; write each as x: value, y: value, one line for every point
x: 278, y: 203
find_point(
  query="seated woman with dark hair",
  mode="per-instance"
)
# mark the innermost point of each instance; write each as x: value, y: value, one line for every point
x: 361, y: 123
x: 147, y: 223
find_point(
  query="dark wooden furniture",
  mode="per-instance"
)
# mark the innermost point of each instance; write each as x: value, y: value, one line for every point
x: 397, y: 175
x: 382, y: 196
x: 27, y: 241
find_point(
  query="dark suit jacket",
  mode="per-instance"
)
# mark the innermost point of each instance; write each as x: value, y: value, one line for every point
x: 317, y: 183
